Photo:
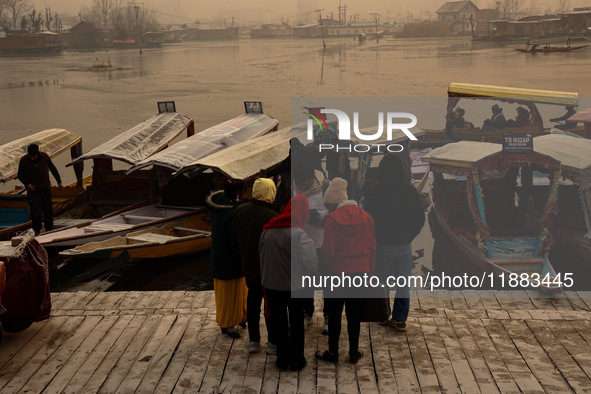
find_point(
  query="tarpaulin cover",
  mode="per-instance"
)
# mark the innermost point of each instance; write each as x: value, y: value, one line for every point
x: 26, y: 294
x: 245, y: 160
x: 141, y: 141
x: 583, y: 116
x: 207, y: 142
x: 574, y: 154
x: 51, y: 141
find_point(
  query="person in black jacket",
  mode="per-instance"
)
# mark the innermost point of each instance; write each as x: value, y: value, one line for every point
x: 249, y: 220
x: 398, y: 217
x: 33, y: 172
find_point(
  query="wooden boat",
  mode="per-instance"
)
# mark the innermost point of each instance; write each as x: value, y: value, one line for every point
x: 116, y: 225
x: 14, y: 213
x: 572, y: 227
x: 544, y: 45
x: 529, y: 98
x: 473, y: 189
x: 178, y: 238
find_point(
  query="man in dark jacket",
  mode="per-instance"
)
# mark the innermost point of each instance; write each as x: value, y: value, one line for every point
x: 398, y: 216
x: 349, y: 248
x: 497, y: 121
x: 249, y: 220
x: 33, y: 172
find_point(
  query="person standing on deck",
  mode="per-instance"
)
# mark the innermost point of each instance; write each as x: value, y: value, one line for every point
x: 229, y: 284
x: 287, y: 253
x: 33, y: 172
x: 398, y: 215
x: 349, y: 249
x: 249, y: 220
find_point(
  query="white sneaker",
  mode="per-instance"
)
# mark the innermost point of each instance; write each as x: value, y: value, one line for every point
x: 254, y: 347
x: 271, y: 348
x: 307, y: 321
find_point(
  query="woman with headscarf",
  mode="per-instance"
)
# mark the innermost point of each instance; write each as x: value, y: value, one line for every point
x: 398, y: 217
x: 228, y: 281
x: 249, y: 220
x: 287, y: 254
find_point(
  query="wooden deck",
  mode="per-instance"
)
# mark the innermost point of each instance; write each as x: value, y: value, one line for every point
x: 169, y: 342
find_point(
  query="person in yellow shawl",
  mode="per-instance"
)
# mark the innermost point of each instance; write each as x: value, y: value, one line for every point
x: 228, y: 281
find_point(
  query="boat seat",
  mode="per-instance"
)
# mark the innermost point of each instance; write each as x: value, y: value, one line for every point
x: 140, y: 217
x: 193, y: 230
x: 95, y: 228
x: 152, y: 237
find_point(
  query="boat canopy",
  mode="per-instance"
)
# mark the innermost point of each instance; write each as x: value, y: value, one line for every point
x: 462, y: 154
x: 207, y: 142
x: 510, y: 94
x: 573, y: 153
x: 141, y: 141
x: 51, y: 141
x: 245, y: 160
x: 583, y: 116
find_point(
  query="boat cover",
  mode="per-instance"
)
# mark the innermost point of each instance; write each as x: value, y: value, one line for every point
x: 207, y: 142
x: 141, y: 141
x: 246, y: 159
x: 513, y: 94
x: 583, y: 116
x: 51, y: 141
x: 462, y: 154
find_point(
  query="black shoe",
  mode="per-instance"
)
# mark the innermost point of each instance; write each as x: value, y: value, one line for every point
x: 354, y: 358
x: 243, y: 324
x: 297, y: 368
x: 327, y: 356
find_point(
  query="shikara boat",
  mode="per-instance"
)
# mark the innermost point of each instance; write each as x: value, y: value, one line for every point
x: 178, y: 238
x: 116, y: 225
x: 572, y: 227
x: 14, y: 213
x: 529, y: 98
x: 544, y: 45
x: 484, y: 201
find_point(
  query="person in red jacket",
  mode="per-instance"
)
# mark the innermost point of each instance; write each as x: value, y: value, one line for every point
x: 349, y: 248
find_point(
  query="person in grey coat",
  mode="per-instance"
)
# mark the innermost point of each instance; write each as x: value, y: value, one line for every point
x: 287, y: 253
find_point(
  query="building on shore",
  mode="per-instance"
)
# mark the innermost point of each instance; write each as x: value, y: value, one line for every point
x: 272, y: 31
x: 459, y: 15
x: 577, y: 22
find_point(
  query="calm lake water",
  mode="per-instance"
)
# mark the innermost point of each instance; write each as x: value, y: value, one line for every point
x: 210, y: 80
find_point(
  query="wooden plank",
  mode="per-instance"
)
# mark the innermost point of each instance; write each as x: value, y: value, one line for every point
x: 326, y: 372
x: 420, y: 356
x: 97, y: 300
x: 39, y: 341
x: 86, y: 300
x: 561, y: 303
x: 73, y: 299
x: 191, y: 378
x: 515, y: 363
x: 162, y: 357
x: 402, y: 361
x: 439, y: 356
x: 535, y: 356
x: 457, y: 299
x: 215, y: 368
x: 188, y: 344
x: 187, y: 300
x: 519, y: 315
x: 28, y: 364
x: 504, y: 299
x: 112, y: 300
x: 255, y: 369
x: 145, y: 357
x: 382, y: 359
x: 235, y: 369
x: 307, y: 376
x: 147, y: 299
x: 497, y: 314
x: 13, y: 343
x: 482, y: 374
x: 54, y: 364
x: 494, y: 361
x: 488, y: 299
x: 472, y: 299
x: 414, y: 299
x: 583, y: 328
x: 201, y: 297
x: 521, y: 300
x: 443, y: 299
x: 130, y: 300
x: 76, y: 371
x: 426, y: 299
x: 162, y: 299
x: 585, y: 298
x: 540, y: 300
x: 174, y: 300
x: 569, y: 369
x: 461, y: 367
x: 117, y: 362
x: 366, y: 378
x: 57, y: 299
x: 572, y: 342
x: 346, y: 377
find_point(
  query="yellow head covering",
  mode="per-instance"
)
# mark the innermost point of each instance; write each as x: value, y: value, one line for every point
x: 264, y: 190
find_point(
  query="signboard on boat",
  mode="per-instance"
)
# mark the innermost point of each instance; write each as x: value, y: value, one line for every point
x: 518, y: 142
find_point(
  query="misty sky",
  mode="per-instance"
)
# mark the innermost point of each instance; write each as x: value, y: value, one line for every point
x: 183, y: 11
